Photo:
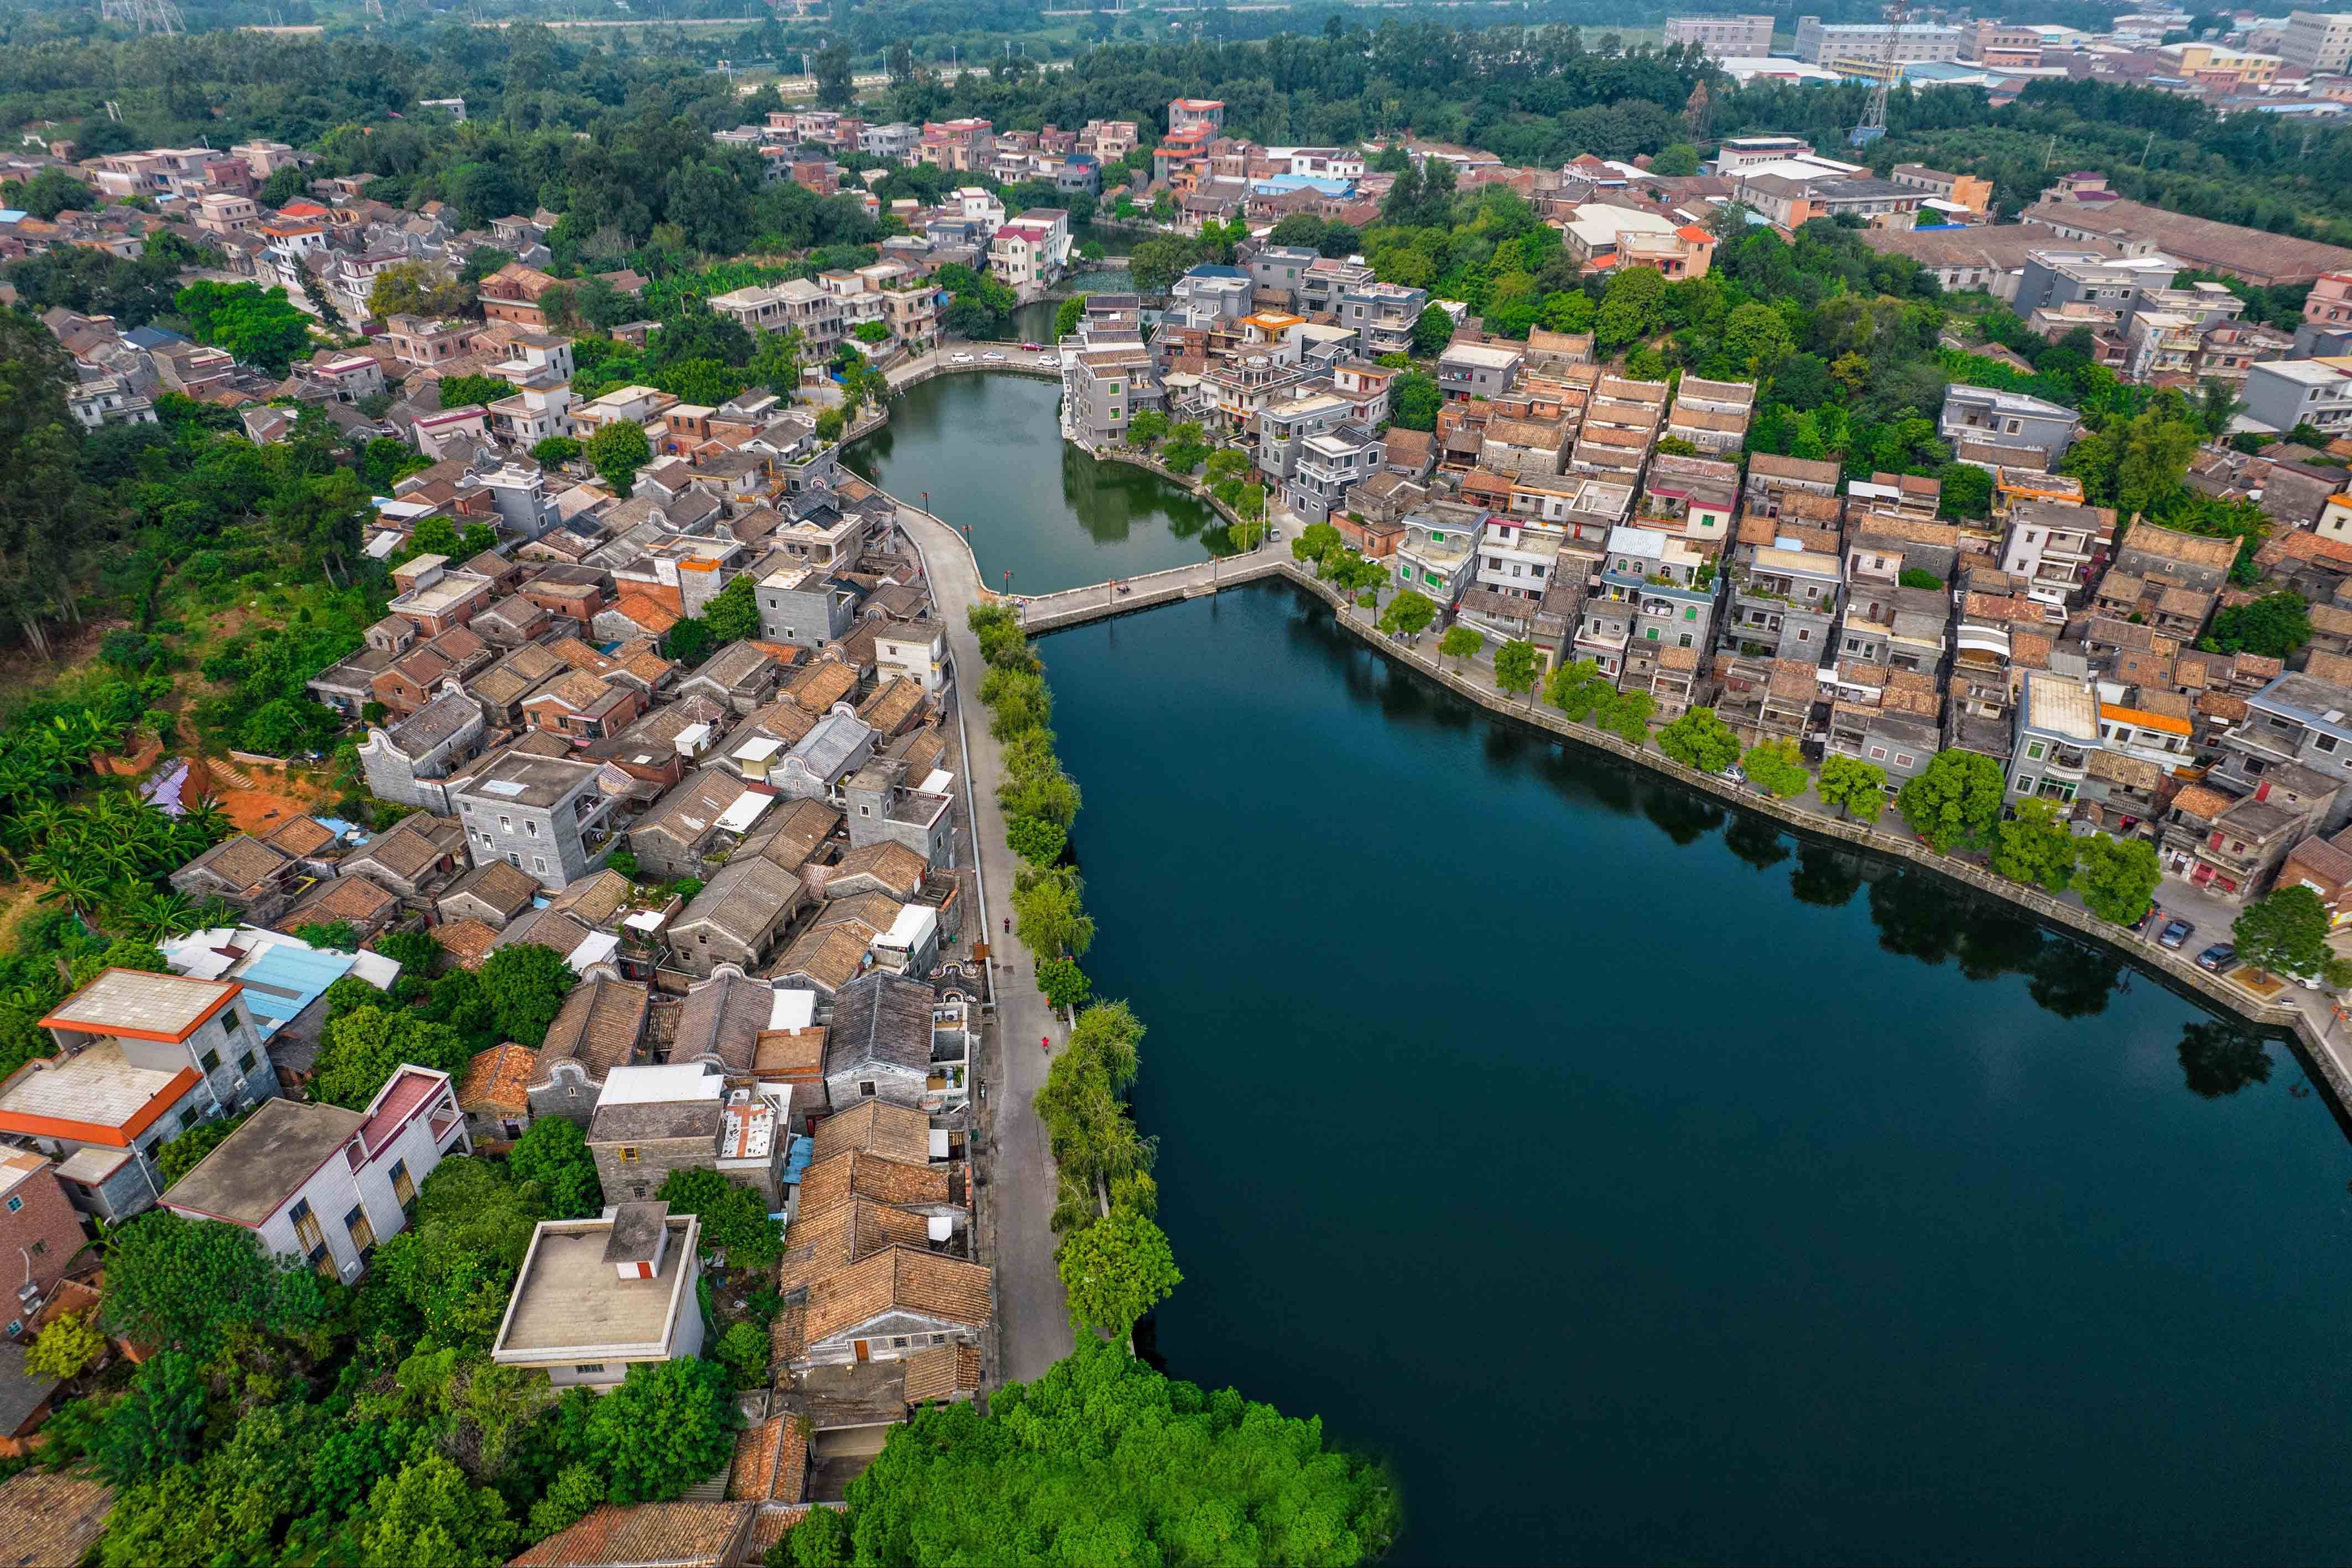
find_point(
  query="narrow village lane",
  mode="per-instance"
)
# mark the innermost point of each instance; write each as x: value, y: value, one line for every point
x: 1032, y: 1325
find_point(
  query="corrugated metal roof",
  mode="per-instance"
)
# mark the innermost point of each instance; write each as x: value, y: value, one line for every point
x: 283, y: 980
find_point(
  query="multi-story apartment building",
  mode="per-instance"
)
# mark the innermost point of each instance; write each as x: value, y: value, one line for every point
x: 1737, y: 153
x: 962, y: 146
x: 2162, y: 347
x: 543, y: 814
x: 323, y: 1184
x: 1196, y: 113
x: 2318, y: 41
x: 1383, y: 314
x: 897, y: 141
x: 2055, y: 728
x: 1723, y: 38
x: 1670, y: 585
x: 2297, y: 718
x: 2282, y: 393
x: 2326, y: 325
x: 2050, y: 545
x: 141, y: 1058
x: 1329, y: 464
x: 1783, y: 604
x: 796, y: 302
x: 596, y: 1297
x: 39, y: 1226
x: 1837, y: 43
x: 1286, y: 424
x: 1437, y: 556
x: 1994, y: 429
x: 1104, y: 388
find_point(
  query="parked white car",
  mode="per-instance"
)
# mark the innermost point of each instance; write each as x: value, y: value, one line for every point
x: 959, y: 359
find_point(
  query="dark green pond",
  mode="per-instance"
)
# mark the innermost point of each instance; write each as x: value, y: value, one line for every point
x: 988, y: 451
x: 1650, y: 1186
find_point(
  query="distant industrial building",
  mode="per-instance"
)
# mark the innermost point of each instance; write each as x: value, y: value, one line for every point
x: 1723, y: 37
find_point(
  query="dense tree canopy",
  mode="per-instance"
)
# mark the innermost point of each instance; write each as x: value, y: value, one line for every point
x: 1105, y: 1460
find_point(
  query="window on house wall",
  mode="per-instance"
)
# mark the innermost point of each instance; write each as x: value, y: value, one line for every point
x: 209, y: 1060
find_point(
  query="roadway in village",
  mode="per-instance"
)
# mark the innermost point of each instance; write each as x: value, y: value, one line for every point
x: 1033, y: 1323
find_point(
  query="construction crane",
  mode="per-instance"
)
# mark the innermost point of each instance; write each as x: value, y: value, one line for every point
x: 1872, y: 124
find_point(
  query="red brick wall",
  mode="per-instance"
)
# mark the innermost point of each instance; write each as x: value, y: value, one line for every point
x: 45, y: 1226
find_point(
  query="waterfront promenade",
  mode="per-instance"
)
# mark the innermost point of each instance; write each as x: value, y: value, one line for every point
x: 2309, y: 1015
x: 1033, y: 1323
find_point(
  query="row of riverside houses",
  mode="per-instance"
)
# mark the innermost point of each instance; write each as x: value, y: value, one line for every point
x: 769, y: 1002
x: 1851, y: 617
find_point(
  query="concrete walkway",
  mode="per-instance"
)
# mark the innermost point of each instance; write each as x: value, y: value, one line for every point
x: 1032, y: 1324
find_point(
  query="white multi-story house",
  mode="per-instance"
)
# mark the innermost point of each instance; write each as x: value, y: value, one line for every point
x: 325, y: 1184
x: 596, y: 1297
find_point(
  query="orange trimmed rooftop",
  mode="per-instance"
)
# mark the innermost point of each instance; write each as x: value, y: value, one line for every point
x: 133, y: 1004
x: 97, y: 1096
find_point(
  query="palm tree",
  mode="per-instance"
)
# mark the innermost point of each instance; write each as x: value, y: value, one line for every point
x: 76, y: 886
x: 170, y: 914
x: 105, y: 734
x: 44, y: 819
x: 204, y: 813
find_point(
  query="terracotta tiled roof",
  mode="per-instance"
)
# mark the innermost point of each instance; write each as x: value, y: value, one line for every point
x: 897, y: 868
x: 855, y: 1173
x: 2190, y: 549
x: 644, y: 609
x: 1793, y: 680
x: 302, y: 836
x: 799, y: 830
x: 351, y: 898
x: 830, y: 954
x: 2226, y: 706
x: 2331, y: 667
x: 414, y: 843
x: 2325, y: 858
x: 903, y: 1279
x: 876, y: 1127
x: 672, y: 1534
x: 498, y: 1078
x: 817, y: 1247
x: 771, y: 1462
x: 941, y: 1372
x: 769, y: 1527
x: 51, y: 1518
x: 244, y: 861
x: 892, y: 705
x: 468, y: 941
x: 822, y: 685
x: 2201, y: 800
x: 595, y: 900
x: 2119, y: 768
x: 599, y: 1025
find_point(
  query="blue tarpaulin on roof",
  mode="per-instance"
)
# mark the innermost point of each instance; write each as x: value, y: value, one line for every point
x: 284, y: 979
x: 796, y: 1159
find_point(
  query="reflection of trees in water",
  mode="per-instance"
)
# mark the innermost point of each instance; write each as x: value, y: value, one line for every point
x: 1826, y: 875
x: 1756, y: 839
x: 1680, y: 814
x: 1921, y: 916
x: 1109, y: 498
x: 2219, y: 1057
